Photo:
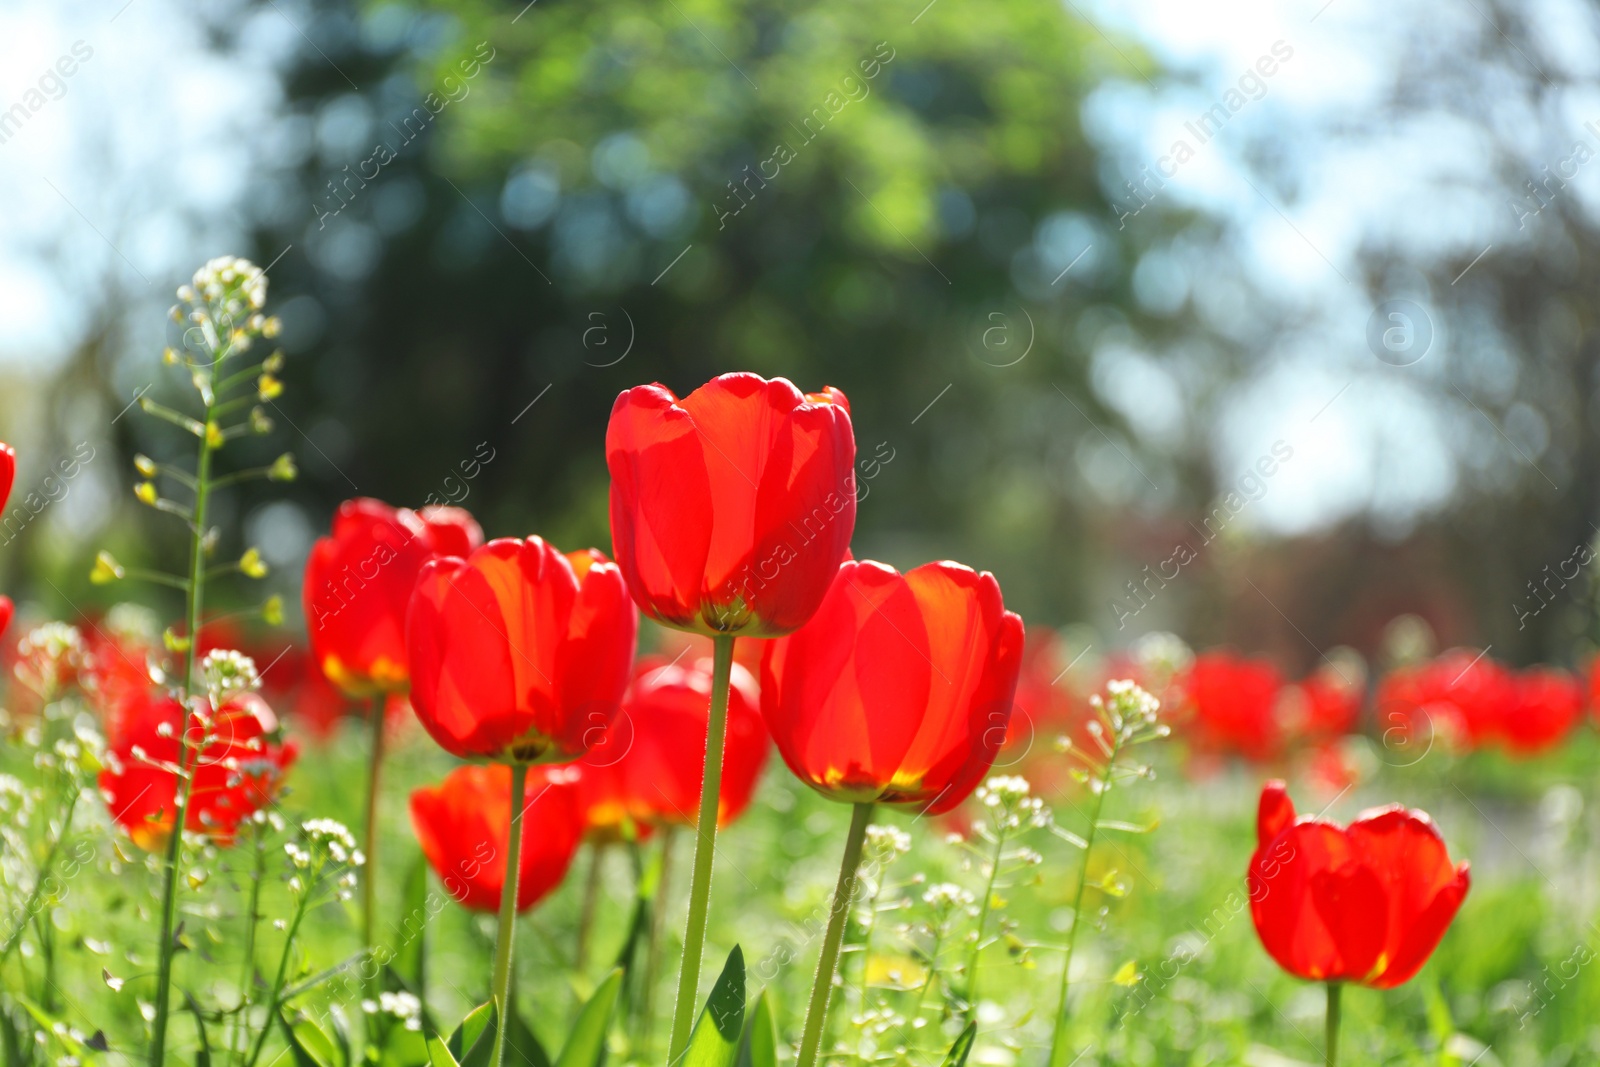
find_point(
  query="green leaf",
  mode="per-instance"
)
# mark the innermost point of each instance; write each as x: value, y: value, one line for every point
x: 586, y: 1044
x: 963, y: 1047
x: 473, y: 1042
x: 439, y: 1054
x: 715, y: 1039
x: 311, y: 1045
x: 409, y: 956
x: 202, y: 1055
x: 523, y: 1047
x: 404, y: 1048
x: 759, y: 1045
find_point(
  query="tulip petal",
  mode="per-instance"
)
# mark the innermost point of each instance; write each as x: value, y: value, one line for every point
x: 1275, y: 813
x: 1425, y: 932
x: 661, y: 505
x: 1352, y: 904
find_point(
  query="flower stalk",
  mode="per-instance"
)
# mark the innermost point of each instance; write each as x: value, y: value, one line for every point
x: 828, y: 961
x: 705, y: 847
x: 1331, y: 1026
x: 369, y: 845
x: 506, y: 935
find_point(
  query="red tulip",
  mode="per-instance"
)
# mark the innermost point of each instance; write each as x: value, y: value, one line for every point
x: 732, y: 508
x: 464, y: 823
x: 1234, y: 702
x: 519, y: 653
x: 1326, y: 704
x: 899, y: 689
x: 8, y: 471
x: 358, y: 586
x: 1477, y: 702
x: 1549, y: 704
x: 651, y: 764
x: 239, y: 769
x: 1365, y: 903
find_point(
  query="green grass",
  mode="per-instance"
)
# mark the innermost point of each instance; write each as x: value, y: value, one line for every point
x: 1209, y: 993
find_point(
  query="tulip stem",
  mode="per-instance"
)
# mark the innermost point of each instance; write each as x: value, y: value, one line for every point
x: 586, y: 914
x: 828, y: 962
x: 705, y: 846
x: 369, y: 877
x: 652, y: 953
x: 1331, y: 1044
x: 508, y: 913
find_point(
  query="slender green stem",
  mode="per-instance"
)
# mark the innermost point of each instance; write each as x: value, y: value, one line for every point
x: 276, y: 996
x: 931, y: 977
x: 45, y: 868
x: 586, y: 913
x: 369, y: 845
x: 508, y: 912
x: 866, y: 944
x: 1331, y: 1046
x: 983, y: 920
x: 252, y: 922
x: 652, y: 953
x: 705, y: 847
x: 1058, y: 1044
x: 828, y: 961
x: 171, y: 868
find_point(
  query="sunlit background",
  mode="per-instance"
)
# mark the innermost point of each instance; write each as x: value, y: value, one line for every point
x: 1072, y: 348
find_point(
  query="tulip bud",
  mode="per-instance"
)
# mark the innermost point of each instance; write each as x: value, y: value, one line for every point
x: 106, y: 569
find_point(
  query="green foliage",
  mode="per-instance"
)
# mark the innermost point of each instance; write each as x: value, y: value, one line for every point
x: 715, y: 1039
x: 586, y: 1043
x: 758, y: 1047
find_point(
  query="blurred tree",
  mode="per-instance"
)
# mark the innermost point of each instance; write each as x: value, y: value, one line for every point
x: 518, y: 211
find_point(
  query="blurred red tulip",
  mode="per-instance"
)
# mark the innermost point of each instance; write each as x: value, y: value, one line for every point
x: 651, y: 764
x: 1475, y: 702
x: 1549, y: 703
x: 239, y: 769
x: 732, y: 508
x: 358, y: 586
x: 1365, y: 903
x: 1326, y: 703
x: 462, y: 824
x: 899, y: 689
x: 518, y: 653
x: 1233, y: 702
x: 8, y: 472
x: 7, y: 610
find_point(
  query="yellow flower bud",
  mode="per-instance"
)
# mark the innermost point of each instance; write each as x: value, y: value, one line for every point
x: 272, y: 611
x: 252, y: 564
x: 214, y: 438
x: 106, y: 569
x: 146, y: 492
x: 283, y: 468
x: 270, y: 387
x: 144, y: 465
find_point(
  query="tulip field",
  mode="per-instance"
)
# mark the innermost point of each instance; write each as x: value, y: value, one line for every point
x: 719, y: 792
